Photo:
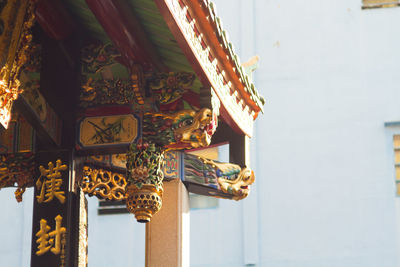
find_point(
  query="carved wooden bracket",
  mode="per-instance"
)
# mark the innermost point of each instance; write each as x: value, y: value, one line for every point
x: 17, y: 18
x: 17, y: 170
x: 103, y: 184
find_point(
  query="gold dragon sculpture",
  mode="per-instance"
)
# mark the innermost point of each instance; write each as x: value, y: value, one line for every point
x: 231, y: 178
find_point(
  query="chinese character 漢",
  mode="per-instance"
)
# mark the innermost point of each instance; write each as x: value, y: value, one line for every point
x: 50, y: 182
x: 50, y: 240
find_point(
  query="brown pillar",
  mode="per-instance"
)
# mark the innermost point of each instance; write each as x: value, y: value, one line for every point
x: 167, y: 234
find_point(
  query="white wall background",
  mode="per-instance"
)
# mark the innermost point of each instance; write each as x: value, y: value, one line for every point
x: 16, y: 228
x: 114, y: 240
x: 324, y: 166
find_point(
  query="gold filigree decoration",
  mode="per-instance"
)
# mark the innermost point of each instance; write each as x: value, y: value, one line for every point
x: 16, y: 171
x: 17, y: 43
x: 5, y: 178
x: 8, y: 93
x: 144, y: 202
x: 145, y: 163
x: 103, y: 184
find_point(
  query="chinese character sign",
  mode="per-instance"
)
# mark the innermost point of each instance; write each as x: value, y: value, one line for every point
x: 50, y: 182
x: 47, y: 240
x: 51, y: 238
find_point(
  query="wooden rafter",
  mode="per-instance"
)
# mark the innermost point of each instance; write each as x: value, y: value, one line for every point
x: 124, y: 29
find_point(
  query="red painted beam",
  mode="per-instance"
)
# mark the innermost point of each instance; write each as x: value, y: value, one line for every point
x: 124, y: 29
x: 54, y: 19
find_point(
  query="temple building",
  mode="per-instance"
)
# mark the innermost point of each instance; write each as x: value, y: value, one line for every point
x: 125, y: 101
x: 325, y: 153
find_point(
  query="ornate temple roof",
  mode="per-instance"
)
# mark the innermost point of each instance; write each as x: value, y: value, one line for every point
x: 221, y: 34
x: 186, y: 36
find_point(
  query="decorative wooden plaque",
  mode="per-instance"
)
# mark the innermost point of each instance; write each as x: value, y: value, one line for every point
x: 107, y: 132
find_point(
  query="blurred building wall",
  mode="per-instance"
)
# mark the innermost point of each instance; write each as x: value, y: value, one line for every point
x: 325, y: 183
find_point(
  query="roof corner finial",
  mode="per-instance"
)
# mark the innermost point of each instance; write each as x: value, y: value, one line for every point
x: 250, y: 66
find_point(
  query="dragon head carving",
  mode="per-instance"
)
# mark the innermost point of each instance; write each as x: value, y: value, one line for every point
x: 197, y: 128
x: 239, y: 187
x: 232, y: 179
x: 180, y: 130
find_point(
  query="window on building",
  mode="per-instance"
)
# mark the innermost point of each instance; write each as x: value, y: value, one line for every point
x: 380, y: 3
x: 202, y: 202
x: 111, y: 207
x: 396, y: 145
